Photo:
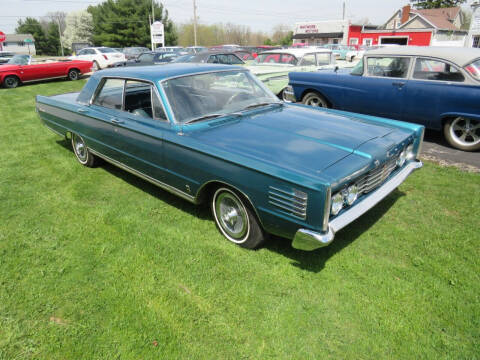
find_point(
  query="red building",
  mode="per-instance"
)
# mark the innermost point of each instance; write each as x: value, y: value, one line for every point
x: 359, y: 35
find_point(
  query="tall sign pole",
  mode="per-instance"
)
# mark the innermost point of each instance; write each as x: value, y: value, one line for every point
x: 151, y: 24
x: 195, y: 23
x: 60, y: 36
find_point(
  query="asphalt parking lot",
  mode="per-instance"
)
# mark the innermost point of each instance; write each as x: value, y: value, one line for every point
x: 436, y: 149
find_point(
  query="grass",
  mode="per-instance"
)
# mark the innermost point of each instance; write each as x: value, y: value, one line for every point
x: 98, y: 264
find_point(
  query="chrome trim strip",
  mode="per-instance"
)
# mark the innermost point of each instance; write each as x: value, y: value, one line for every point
x: 326, y: 210
x: 164, y: 186
x: 294, y: 193
x: 310, y: 240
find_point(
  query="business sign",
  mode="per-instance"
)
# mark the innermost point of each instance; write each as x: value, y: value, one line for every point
x: 308, y: 29
x: 157, y: 33
x: 2, y: 37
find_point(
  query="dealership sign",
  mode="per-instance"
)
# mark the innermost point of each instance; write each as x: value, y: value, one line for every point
x: 308, y: 29
x: 158, y: 36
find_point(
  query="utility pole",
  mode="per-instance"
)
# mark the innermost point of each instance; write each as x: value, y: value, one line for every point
x: 343, y: 18
x: 153, y: 20
x: 195, y: 23
x: 60, y: 35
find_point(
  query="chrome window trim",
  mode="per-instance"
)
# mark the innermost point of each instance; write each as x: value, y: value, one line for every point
x: 407, y: 77
x: 100, y: 85
x: 459, y: 69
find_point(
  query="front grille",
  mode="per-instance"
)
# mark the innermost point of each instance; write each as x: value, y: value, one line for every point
x: 376, y: 177
x: 291, y: 202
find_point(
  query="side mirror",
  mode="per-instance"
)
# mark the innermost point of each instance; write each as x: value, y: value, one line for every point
x: 336, y: 68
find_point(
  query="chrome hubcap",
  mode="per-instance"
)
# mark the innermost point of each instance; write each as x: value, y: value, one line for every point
x: 465, y: 131
x: 231, y: 215
x: 80, y: 148
x: 315, y: 101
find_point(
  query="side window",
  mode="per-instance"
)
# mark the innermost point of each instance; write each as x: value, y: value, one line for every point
x: 308, y: 60
x: 394, y: 67
x: 111, y: 94
x: 233, y: 59
x: 90, y: 52
x: 82, y: 52
x: 212, y: 59
x: 141, y: 100
x: 428, y: 69
x: 146, y: 58
x: 323, y: 59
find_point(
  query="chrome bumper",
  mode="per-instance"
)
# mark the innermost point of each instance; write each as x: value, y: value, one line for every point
x: 310, y: 240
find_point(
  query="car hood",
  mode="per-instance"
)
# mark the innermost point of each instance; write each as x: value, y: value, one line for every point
x: 271, y: 69
x: 294, y: 137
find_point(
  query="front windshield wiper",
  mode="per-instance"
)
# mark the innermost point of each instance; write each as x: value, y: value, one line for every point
x: 262, y: 104
x: 204, y: 117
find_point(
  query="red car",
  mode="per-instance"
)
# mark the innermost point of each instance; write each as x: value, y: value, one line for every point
x: 22, y: 69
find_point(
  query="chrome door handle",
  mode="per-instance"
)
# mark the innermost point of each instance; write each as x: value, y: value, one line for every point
x: 398, y: 84
x: 116, y: 121
x: 82, y: 110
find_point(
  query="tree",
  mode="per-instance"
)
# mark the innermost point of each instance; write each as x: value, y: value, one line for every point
x: 434, y: 4
x: 120, y: 23
x: 52, y: 45
x: 78, y: 28
x: 33, y: 27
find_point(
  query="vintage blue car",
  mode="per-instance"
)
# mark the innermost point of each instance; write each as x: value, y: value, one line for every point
x: 433, y: 86
x: 216, y: 134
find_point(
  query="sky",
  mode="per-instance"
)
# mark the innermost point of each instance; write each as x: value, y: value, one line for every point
x: 259, y: 15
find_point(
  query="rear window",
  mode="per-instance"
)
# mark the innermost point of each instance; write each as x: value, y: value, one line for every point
x: 474, y: 69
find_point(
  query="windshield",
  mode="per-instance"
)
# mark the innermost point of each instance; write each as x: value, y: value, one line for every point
x: 215, y: 94
x: 276, y: 58
x: 474, y: 69
x: 19, y: 60
x: 107, y: 50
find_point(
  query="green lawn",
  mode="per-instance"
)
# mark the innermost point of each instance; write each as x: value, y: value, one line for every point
x: 98, y: 264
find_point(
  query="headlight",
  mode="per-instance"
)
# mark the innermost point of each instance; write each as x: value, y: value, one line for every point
x: 351, y: 195
x: 337, y: 203
x: 410, y: 152
x: 401, y: 159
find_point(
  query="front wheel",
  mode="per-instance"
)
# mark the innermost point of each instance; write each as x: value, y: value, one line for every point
x: 235, y: 219
x: 83, y: 155
x: 73, y: 75
x: 315, y: 99
x: 463, y: 133
x: 11, y: 82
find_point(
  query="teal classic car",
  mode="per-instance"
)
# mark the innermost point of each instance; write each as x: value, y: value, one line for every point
x: 215, y: 134
x: 340, y: 51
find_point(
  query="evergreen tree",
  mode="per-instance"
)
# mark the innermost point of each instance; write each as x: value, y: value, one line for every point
x: 121, y: 23
x: 53, y: 40
x: 434, y: 4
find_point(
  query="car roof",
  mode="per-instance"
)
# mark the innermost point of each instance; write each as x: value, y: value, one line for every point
x: 457, y: 55
x: 156, y: 73
x: 297, y: 52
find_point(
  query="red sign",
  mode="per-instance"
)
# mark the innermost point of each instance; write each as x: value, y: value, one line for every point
x: 2, y: 37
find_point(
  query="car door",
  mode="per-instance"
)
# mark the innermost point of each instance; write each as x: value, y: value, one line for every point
x: 431, y: 91
x: 382, y: 88
x: 35, y: 71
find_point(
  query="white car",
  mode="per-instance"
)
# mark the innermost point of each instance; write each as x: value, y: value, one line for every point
x: 102, y: 57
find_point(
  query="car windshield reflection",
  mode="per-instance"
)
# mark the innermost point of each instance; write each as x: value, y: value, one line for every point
x: 209, y: 95
x: 19, y: 60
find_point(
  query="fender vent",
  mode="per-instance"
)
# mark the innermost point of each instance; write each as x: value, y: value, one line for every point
x: 291, y: 202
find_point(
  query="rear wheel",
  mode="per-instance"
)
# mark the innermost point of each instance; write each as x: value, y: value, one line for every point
x: 314, y: 99
x: 73, y: 74
x: 95, y: 66
x: 235, y: 219
x: 11, y: 82
x: 84, y: 156
x: 463, y: 133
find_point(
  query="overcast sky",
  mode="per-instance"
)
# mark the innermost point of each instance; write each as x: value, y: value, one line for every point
x: 257, y: 14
